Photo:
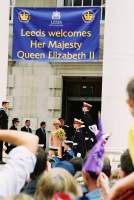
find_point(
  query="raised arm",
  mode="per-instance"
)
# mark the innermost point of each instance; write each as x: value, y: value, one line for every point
x: 19, y: 138
x: 123, y: 185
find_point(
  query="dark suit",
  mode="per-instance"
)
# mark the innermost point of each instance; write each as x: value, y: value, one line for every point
x: 41, y: 133
x: 3, y: 125
x: 79, y: 139
x: 3, y: 119
x: 67, y: 131
x: 13, y: 128
x: 10, y: 146
x: 90, y: 138
x: 87, y: 119
x: 25, y: 129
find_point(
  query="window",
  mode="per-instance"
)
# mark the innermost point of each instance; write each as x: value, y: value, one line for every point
x: 87, y: 2
x: 100, y: 3
x: 77, y: 3
x: 68, y: 3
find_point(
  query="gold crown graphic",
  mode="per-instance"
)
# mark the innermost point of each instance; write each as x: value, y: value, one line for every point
x: 24, y: 16
x: 88, y: 16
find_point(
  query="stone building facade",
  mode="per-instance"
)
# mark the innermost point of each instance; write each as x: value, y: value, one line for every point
x: 37, y: 89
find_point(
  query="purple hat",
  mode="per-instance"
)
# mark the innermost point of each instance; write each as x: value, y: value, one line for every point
x: 99, y: 133
x: 94, y: 162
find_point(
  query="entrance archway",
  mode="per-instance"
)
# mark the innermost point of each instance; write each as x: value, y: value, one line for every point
x: 79, y: 89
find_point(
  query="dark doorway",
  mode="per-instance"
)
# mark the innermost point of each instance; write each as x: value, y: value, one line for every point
x: 79, y: 89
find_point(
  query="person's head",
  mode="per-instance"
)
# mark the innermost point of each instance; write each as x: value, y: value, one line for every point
x: 43, y: 124
x: 126, y: 164
x: 86, y: 107
x: 56, y: 123
x: 56, y: 180
x: 5, y: 104
x: 77, y: 163
x: 15, y: 122
x: 107, y: 166
x: 41, y: 163
x: 62, y: 121
x: 77, y: 123
x: 20, y: 196
x: 90, y: 179
x: 27, y: 123
x: 53, y: 151
x: 68, y: 145
x: 64, y: 164
x: 130, y: 91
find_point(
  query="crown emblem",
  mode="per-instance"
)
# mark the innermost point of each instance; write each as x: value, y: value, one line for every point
x: 56, y: 15
x: 88, y: 16
x: 24, y: 16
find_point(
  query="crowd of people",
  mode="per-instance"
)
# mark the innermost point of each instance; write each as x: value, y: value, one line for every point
x: 74, y: 167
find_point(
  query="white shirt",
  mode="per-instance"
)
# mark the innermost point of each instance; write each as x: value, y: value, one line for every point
x: 14, y: 174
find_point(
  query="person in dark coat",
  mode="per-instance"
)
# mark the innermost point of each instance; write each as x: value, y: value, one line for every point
x: 90, y: 138
x: 27, y: 128
x: 79, y: 138
x: 66, y: 128
x: 15, y: 124
x: 3, y: 124
x: 86, y: 117
x: 41, y: 133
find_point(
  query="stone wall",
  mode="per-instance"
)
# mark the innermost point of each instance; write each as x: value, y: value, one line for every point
x: 35, y: 88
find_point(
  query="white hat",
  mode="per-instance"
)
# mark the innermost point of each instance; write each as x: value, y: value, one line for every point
x: 78, y: 121
x: 75, y: 144
x: 85, y: 104
x: 53, y: 148
x: 68, y: 142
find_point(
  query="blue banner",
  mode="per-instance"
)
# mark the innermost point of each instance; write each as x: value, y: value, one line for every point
x: 56, y: 34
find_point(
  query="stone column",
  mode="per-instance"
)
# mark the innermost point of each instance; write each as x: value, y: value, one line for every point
x: 60, y: 3
x: 118, y: 69
x: 4, y: 35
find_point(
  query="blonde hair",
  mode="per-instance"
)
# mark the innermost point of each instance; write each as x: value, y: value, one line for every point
x: 56, y: 180
x: 56, y: 121
x: 19, y: 197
